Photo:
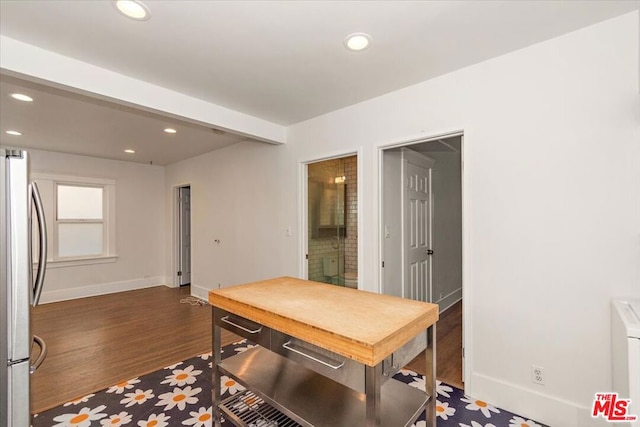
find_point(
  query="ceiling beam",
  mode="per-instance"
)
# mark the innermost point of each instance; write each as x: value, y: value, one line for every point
x: 42, y: 66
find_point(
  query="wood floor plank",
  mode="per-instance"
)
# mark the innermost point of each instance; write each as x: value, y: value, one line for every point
x: 97, y: 342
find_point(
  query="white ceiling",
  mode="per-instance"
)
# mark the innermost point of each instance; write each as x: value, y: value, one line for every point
x: 282, y: 61
x: 66, y: 122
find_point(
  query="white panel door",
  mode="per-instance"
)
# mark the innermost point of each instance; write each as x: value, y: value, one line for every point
x: 185, y: 236
x: 417, y: 232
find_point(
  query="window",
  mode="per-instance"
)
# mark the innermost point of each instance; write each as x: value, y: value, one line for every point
x: 80, y: 215
x: 80, y: 221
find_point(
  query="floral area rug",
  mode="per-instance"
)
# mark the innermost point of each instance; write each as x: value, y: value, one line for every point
x: 180, y: 395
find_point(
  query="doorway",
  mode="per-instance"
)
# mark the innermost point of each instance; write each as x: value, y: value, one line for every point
x: 183, y: 229
x: 332, y: 221
x: 421, y: 229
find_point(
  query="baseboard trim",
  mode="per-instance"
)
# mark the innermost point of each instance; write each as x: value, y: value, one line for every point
x: 531, y: 404
x: 99, y: 289
x: 200, y: 292
x: 450, y: 299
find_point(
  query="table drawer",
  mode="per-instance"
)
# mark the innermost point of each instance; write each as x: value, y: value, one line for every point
x: 341, y: 369
x: 246, y: 328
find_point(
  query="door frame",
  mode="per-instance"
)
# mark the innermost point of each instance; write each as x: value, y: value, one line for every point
x: 175, y: 247
x: 467, y: 323
x: 303, y: 214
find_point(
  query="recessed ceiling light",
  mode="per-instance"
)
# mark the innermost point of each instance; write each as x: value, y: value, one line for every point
x: 14, y: 132
x: 170, y: 130
x: 357, y: 42
x: 133, y: 9
x: 130, y: 151
x: 21, y: 97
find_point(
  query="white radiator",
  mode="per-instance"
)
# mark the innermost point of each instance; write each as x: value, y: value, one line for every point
x: 625, y: 339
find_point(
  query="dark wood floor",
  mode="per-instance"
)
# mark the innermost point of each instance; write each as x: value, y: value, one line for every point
x: 99, y: 341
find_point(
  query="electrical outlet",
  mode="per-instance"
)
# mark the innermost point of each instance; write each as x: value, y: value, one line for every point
x: 537, y: 375
x: 441, y: 295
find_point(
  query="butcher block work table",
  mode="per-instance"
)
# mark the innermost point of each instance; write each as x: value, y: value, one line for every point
x: 326, y: 355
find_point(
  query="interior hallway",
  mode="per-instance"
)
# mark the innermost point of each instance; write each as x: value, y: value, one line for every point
x: 97, y: 342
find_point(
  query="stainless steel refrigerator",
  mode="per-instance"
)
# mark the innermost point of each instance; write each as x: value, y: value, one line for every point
x: 20, y: 285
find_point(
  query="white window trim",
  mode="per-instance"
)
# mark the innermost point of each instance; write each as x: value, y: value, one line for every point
x: 109, y: 219
x: 74, y: 262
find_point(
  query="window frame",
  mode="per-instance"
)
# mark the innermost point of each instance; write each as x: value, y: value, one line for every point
x: 108, y: 186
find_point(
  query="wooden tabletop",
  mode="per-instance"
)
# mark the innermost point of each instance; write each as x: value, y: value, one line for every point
x: 363, y: 326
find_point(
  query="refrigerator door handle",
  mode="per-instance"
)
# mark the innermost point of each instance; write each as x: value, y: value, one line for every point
x: 42, y: 240
x: 43, y: 353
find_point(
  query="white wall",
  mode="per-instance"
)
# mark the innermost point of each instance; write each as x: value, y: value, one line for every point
x: 552, y: 207
x: 245, y: 196
x: 140, y: 228
x: 550, y: 238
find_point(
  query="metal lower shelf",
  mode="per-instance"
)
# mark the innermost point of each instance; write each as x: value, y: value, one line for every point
x: 246, y: 409
x: 306, y: 396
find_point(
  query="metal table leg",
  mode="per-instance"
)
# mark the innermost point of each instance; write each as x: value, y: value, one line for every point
x: 430, y: 377
x: 215, y: 353
x: 372, y: 384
